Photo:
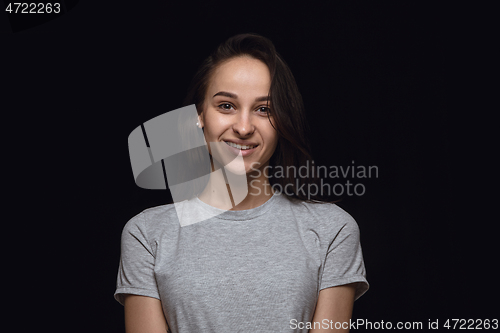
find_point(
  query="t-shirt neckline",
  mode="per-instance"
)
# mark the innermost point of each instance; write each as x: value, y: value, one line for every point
x: 238, y: 215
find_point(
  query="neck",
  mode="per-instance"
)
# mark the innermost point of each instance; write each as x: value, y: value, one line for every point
x: 241, y: 195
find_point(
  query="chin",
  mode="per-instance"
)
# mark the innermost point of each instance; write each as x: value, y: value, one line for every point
x: 237, y: 170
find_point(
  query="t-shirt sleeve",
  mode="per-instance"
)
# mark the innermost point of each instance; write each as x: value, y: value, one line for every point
x: 137, y: 261
x: 344, y: 260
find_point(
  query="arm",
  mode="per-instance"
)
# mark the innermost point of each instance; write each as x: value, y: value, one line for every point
x: 144, y: 315
x: 334, y: 304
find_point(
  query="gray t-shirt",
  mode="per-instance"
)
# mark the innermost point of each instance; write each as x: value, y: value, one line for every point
x: 256, y: 270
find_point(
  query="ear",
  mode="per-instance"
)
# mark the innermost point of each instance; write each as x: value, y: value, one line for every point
x: 201, y: 123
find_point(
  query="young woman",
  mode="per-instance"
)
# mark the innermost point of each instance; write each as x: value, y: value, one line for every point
x: 278, y: 259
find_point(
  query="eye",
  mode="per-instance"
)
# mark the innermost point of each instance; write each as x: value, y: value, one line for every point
x: 225, y: 106
x: 264, y: 110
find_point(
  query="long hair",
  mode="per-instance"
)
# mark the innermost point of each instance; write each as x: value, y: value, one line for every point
x: 287, y: 109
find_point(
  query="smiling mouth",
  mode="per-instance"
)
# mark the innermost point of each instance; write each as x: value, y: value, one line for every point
x: 237, y: 146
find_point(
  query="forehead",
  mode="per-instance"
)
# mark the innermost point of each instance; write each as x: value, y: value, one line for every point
x: 241, y: 75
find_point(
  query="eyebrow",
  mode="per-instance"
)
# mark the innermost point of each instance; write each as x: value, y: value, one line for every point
x: 231, y: 95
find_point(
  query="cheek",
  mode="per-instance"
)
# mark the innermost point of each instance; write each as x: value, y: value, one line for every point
x: 209, y: 128
x: 270, y: 133
x: 214, y: 125
x: 272, y: 140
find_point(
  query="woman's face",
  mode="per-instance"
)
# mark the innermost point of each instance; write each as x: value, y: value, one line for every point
x: 235, y: 114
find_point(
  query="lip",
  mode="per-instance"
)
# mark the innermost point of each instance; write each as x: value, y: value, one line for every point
x: 241, y: 142
x: 236, y: 151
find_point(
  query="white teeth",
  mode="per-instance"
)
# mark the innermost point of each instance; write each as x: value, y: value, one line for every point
x: 242, y: 147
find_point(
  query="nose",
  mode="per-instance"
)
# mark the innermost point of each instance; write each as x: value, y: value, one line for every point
x: 243, y: 125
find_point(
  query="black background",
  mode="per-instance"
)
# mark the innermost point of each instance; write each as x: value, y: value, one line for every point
x: 372, y: 76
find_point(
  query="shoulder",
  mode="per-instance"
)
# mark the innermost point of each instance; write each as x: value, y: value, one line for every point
x: 152, y: 219
x: 329, y: 217
x: 323, y: 210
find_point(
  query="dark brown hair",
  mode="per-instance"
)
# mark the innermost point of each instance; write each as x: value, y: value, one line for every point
x: 287, y: 108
